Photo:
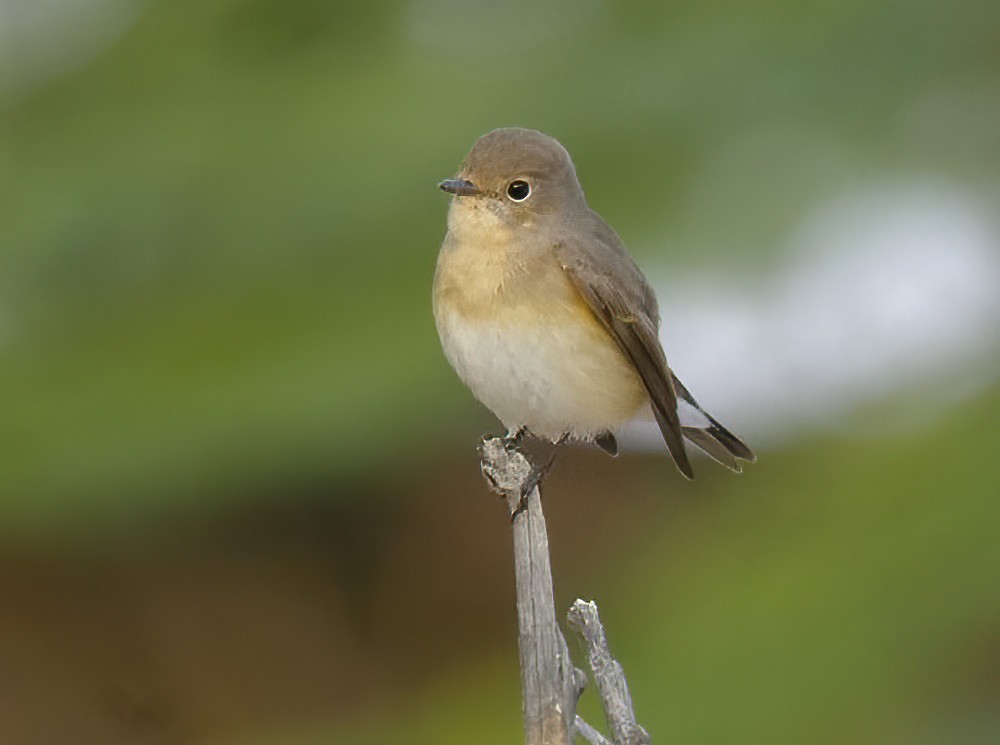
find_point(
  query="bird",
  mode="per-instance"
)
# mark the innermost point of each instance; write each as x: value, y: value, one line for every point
x: 544, y: 314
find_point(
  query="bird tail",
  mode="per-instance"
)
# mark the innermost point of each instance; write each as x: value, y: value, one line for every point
x: 704, y: 431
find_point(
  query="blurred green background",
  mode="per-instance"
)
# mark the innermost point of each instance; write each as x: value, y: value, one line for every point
x: 239, y: 501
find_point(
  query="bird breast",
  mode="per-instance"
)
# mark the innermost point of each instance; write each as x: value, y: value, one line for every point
x: 526, y: 343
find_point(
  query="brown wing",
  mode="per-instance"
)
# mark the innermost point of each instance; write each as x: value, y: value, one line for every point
x: 629, y: 315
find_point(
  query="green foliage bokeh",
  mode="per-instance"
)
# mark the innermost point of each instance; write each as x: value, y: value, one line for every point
x: 217, y: 237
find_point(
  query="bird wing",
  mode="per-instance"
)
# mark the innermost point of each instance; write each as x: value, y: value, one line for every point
x: 620, y: 298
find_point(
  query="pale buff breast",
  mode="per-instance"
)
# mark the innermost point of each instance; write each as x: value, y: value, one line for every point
x: 523, y: 340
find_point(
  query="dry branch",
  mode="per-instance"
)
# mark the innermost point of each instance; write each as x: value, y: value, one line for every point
x: 551, y: 685
x: 608, y: 676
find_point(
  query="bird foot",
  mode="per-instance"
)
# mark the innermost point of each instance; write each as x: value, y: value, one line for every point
x: 514, y: 438
x: 510, y: 472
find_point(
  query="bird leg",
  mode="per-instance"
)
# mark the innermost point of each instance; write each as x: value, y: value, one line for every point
x: 533, y: 481
x: 511, y: 472
x: 512, y: 439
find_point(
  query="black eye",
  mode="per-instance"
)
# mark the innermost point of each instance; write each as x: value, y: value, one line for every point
x: 518, y: 190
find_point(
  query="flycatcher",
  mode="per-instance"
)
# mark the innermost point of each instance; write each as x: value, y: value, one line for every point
x: 545, y: 316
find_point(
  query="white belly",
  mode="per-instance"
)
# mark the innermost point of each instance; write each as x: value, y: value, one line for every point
x: 555, y: 378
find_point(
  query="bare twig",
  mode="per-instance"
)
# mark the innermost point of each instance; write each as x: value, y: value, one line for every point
x: 608, y: 676
x: 551, y: 684
x: 590, y: 734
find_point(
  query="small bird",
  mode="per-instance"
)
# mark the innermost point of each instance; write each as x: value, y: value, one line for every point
x: 545, y: 316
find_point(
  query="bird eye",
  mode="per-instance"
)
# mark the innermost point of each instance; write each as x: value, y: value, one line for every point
x: 518, y: 190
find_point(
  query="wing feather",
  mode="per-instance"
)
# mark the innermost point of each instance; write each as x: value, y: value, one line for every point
x: 602, y: 271
x: 632, y: 326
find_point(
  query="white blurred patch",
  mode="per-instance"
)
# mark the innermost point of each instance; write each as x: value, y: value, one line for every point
x: 690, y: 416
x: 42, y: 39
x: 885, y: 294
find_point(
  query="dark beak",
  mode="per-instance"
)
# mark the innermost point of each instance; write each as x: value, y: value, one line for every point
x: 459, y: 187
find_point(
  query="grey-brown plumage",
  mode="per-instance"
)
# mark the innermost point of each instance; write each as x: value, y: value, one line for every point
x: 543, y: 312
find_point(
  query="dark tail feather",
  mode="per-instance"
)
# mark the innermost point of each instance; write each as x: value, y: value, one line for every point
x: 671, y: 429
x: 712, y: 447
x: 607, y: 442
x: 717, y: 441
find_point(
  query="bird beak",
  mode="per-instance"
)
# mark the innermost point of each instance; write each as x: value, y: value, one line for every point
x: 459, y: 187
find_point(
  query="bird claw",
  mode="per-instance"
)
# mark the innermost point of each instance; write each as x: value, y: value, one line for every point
x: 531, y: 482
x: 510, y: 472
x: 512, y: 439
